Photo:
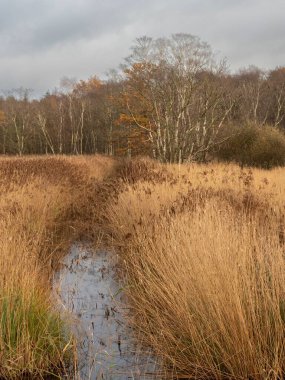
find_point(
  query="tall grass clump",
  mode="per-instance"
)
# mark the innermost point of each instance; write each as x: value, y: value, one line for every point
x: 202, y: 247
x: 34, y: 340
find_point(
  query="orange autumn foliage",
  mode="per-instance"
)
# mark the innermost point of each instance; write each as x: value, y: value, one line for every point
x: 2, y: 117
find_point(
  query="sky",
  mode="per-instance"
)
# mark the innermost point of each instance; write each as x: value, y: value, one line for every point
x: 42, y: 41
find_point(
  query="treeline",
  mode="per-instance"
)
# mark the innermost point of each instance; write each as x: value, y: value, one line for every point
x: 171, y: 99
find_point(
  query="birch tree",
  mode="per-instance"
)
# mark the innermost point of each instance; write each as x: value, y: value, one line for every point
x: 174, y: 92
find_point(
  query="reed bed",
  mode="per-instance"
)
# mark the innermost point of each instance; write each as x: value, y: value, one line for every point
x: 202, y: 249
x: 42, y: 206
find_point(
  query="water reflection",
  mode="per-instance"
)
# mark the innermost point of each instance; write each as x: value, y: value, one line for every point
x: 87, y: 287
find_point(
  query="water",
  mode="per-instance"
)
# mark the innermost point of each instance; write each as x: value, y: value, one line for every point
x: 87, y: 287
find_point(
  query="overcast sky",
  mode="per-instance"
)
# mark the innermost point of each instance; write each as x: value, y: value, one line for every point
x: 42, y: 41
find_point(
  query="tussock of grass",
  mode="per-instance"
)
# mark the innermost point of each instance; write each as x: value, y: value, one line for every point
x: 203, y: 251
x: 33, y: 337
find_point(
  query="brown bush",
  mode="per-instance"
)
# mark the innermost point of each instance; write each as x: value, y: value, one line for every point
x: 260, y: 146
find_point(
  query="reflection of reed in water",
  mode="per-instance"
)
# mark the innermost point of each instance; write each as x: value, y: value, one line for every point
x: 106, y: 350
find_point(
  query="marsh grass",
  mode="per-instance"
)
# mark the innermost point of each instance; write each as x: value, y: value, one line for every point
x: 202, y: 247
x: 44, y: 205
x: 34, y: 340
x: 201, y: 250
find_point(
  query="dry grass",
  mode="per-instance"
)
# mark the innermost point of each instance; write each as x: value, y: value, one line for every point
x: 42, y: 207
x: 202, y: 248
x: 203, y: 252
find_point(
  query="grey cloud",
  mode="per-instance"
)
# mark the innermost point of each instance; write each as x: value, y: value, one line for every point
x: 43, y: 40
x: 34, y: 28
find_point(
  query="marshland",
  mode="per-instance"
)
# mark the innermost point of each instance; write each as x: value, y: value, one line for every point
x: 142, y: 211
x: 198, y: 251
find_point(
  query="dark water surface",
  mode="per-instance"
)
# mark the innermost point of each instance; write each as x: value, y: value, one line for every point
x: 87, y: 287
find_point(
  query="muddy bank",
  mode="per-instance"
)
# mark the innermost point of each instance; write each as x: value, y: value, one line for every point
x: 87, y: 287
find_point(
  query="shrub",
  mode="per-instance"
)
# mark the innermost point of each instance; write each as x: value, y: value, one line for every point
x: 260, y: 146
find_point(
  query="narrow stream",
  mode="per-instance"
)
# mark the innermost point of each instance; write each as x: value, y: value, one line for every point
x: 87, y: 287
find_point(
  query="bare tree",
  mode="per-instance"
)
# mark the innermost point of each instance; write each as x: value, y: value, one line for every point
x: 174, y: 91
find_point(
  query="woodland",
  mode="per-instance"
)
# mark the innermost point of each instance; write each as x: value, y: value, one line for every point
x: 171, y: 99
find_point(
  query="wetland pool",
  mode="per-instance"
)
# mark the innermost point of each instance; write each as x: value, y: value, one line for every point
x: 89, y: 291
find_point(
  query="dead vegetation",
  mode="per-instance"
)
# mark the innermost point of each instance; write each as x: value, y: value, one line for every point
x: 201, y: 248
x: 42, y: 208
x: 203, y: 251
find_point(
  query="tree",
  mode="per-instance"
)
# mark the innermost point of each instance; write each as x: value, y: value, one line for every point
x: 19, y: 116
x: 252, y: 92
x: 174, y: 91
x: 276, y: 84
